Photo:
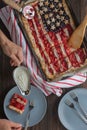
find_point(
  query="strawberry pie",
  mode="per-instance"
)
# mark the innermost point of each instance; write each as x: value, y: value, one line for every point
x: 48, y: 32
x: 17, y: 103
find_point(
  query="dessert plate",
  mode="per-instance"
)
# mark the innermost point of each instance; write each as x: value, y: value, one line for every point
x: 67, y: 116
x: 36, y: 114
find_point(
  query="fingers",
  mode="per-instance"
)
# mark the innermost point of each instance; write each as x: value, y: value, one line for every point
x: 15, y: 125
x: 15, y: 61
x: 12, y: 63
x: 20, y: 56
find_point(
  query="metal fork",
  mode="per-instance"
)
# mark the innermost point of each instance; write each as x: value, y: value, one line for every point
x: 75, y: 98
x: 28, y: 115
x: 71, y: 105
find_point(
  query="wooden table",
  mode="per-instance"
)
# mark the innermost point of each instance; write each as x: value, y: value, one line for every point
x: 51, y: 120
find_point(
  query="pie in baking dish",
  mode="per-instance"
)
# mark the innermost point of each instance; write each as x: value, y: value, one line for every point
x: 17, y: 103
x: 49, y: 31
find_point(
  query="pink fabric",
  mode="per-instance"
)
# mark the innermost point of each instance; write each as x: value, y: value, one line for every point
x: 7, y: 16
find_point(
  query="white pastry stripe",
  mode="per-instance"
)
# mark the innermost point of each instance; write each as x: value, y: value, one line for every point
x: 41, y: 43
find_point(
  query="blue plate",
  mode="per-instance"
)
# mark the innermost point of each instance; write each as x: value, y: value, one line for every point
x: 67, y: 116
x: 36, y: 114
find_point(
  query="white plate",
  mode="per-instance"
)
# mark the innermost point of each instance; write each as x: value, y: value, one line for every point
x: 67, y: 116
x: 36, y: 114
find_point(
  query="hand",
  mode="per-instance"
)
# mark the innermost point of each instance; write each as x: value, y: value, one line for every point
x: 11, y: 49
x: 14, y: 52
x: 9, y: 125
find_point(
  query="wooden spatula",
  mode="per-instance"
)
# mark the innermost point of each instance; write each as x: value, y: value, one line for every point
x: 77, y: 36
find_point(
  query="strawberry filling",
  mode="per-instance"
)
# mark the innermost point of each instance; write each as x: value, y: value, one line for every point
x: 18, y: 101
x: 52, y: 45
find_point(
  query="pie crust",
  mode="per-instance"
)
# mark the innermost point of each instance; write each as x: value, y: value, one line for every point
x: 48, y: 32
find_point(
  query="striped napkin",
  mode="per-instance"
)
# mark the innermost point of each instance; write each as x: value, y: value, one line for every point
x: 8, y: 18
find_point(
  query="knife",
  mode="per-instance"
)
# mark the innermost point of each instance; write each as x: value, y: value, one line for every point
x: 27, y: 10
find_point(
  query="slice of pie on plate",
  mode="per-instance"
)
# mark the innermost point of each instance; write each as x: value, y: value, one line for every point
x: 17, y: 103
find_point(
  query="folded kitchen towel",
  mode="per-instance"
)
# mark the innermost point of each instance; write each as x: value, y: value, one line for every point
x: 8, y: 18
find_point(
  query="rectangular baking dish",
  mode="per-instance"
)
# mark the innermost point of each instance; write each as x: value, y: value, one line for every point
x: 67, y: 74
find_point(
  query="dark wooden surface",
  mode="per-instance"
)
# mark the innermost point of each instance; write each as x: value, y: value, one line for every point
x: 51, y: 120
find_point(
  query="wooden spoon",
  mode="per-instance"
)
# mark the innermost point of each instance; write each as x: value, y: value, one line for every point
x: 77, y: 36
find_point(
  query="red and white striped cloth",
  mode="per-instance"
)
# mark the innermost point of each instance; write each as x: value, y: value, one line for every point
x: 8, y: 18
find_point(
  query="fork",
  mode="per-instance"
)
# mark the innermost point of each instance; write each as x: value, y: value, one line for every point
x: 28, y: 115
x: 75, y: 98
x: 71, y: 105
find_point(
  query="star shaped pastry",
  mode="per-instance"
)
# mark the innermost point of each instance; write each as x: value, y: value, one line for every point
x: 52, y: 6
x: 45, y: 9
x: 41, y: 12
x: 60, y: 5
x: 46, y: 16
x: 48, y: 22
x: 57, y: 16
x: 40, y: 3
x: 56, y: 1
x: 62, y: 18
x: 46, y: 3
x: 53, y: 27
x: 53, y: 19
x: 57, y: 24
x: 55, y: 10
x: 50, y: 14
x: 66, y: 21
x: 61, y: 12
